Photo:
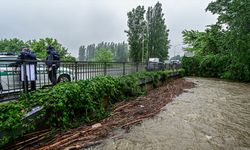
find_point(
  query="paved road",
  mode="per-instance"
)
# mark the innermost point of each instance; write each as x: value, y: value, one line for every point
x: 213, y: 115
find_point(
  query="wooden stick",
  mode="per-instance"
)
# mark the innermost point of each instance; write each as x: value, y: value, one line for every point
x: 121, y: 107
x: 60, y: 142
x: 35, y: 141
x: 29, y: 134
x: 67, y: 139
x: 86, y: 139
x: 57, y: 138
x: 31, y: 139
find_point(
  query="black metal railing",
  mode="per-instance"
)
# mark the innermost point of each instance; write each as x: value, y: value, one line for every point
x: 19, y: 78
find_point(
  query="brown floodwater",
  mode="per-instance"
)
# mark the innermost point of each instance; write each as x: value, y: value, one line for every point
x: 213, y: 115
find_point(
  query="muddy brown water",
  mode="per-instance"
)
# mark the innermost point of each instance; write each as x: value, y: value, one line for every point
x: 213, y: 115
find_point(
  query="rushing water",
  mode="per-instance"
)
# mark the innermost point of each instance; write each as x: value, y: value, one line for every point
x: 213, y: 115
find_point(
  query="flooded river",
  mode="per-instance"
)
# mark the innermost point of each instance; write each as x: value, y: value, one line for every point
x: 213, y: 115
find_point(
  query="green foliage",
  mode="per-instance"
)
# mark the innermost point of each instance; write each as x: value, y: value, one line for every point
x: 91, y: 52
x: 11, y: 121
x: 136, y: 33
x: 234, y: 13
x: 68, y: 58
x: 222, y: 66
x: 103, y: 55
x: 223, y: 50
x: 11, y: 45
x: 38, y: 47
x: 119, y: 51
x: 204, y: 43
x: 121, y: 54
x: 158, y: 43
x: 190, y: 65
x: 82, y: 53
x: 237, y: 71
x: 147, y: 37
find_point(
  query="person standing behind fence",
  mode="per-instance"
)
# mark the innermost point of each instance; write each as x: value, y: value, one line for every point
x: 53, y: 63
x: 29, y: 66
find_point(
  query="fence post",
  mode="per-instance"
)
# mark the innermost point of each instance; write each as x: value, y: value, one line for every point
x: 123, y: 72
x: 83, y: 71
x: 76, y: 71
x: 105, y: 68
x: 25, y: 82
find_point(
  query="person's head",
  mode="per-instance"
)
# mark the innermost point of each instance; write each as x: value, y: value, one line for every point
x: 50, y: 47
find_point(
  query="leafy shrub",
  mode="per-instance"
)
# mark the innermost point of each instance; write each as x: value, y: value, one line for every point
x: 237, y: 71
x: 221, y: 66
x: 191, y: 65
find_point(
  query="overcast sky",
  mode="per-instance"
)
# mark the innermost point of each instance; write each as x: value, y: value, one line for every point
x: 82, y: 22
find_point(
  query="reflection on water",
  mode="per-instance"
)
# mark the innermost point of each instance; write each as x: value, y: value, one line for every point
x: 213, y: 115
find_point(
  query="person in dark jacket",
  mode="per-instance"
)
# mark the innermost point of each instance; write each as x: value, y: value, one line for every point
x: 52, y: 63
x: 29, y: 66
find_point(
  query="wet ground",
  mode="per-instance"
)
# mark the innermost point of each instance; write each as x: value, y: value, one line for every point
x: 213, y: 115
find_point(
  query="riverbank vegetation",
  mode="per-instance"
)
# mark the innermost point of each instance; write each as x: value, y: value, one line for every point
x: 223, y: 49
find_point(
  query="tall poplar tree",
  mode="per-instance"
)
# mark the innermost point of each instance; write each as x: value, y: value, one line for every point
x: 147, y: 38
x: 136, y: 34
x: 158, y: 43
x: 82, y: 53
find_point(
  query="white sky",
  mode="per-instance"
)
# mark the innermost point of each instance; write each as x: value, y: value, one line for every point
x: 82, y: 22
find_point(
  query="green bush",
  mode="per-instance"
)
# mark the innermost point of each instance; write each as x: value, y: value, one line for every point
x: 191, y: 65
x: 237, y: 71
x: 220, y: 66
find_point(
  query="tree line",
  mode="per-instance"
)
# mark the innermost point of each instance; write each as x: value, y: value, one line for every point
x: 37, y: 46
x: 104, y: 51
x: 223, y: 49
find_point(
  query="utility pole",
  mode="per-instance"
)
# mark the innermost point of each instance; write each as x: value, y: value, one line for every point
x: 147, y: 56
x: 142, y: 44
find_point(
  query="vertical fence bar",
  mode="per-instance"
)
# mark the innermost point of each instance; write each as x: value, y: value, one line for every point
x: 105, y: 68
x: 25, y: 77
x: 87, y: 70
x: 76, y: 71
x: 13, y: 80
x: 83, y: 71
x: 124, y: 65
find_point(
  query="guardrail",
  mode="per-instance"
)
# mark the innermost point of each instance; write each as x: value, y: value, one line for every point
x: 20, y: 78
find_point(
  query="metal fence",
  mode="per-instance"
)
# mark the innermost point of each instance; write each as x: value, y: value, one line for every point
x: 15, y: 79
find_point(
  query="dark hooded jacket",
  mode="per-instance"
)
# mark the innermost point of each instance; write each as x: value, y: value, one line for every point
x: 26, y: 55
x: 52, y: 57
